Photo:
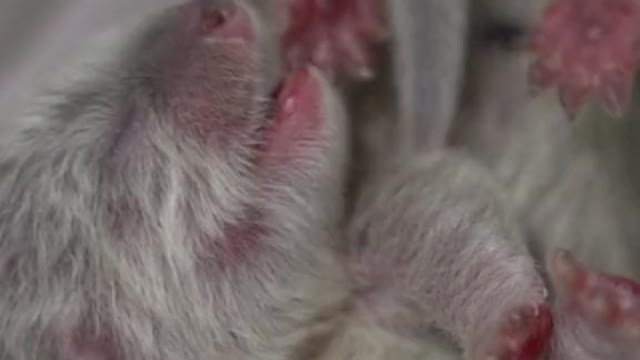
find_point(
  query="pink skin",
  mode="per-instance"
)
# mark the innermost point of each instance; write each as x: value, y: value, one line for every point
x: 585, y: 47
x: 600, y: 315
x: 588, y: 47
x: 610, y: 304
x: 295, y: 118
x: 295, y: 121
x: 299, y: 94
x: 523, y: 335
x: 334, y: 35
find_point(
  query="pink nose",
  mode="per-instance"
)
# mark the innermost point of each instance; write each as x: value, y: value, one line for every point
x: 228, y: 22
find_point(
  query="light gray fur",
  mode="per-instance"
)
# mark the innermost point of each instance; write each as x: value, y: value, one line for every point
x: 571, y: 185
x: 112, y: 232
x: 423, y: 75
x: 411, y: 103
x: 151, y: 280
x: 434, y: 246
x: 574, y: 184
x: 429, y: 48
x: 397, y: 117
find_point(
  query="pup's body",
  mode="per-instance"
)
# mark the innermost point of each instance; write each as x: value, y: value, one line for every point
x: 169, y: 204
x: 139, y: 203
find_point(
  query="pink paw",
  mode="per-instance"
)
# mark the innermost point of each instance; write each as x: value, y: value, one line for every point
x: 610, y: 303
x: 522, y: 335
x: 587, y: 47
x: 334, y: 35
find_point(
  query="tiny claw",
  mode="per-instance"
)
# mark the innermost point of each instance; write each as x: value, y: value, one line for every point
x: 615, y: 92
x: 572, y: 97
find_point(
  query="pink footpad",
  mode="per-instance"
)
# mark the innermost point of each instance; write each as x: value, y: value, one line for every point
x: 334, y: 35
x: 296, y: 118
x: 587, y: 47
x: 523, y: 335
x: 609, y: 302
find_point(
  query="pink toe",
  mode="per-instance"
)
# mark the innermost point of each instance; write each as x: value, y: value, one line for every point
x: 524, y: 335
x: 603, y: 297
x: 334, y: 35
x: 594, y: 45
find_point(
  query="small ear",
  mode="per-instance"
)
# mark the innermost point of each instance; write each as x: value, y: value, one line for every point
x: 609, y: 303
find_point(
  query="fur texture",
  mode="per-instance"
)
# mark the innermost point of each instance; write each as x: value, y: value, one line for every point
x: 138, y: 207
